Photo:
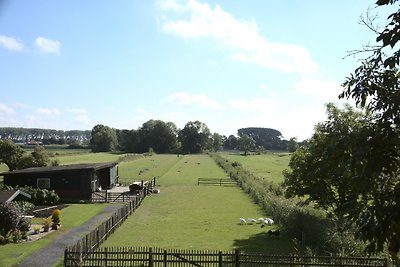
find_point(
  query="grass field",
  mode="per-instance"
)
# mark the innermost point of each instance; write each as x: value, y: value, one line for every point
x: 145, y: 168
x: 87, y: 158
x: 269, y: 166
x: 72, y: 216
x: 187, y: 216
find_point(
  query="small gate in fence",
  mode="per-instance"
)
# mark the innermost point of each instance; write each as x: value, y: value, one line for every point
x: 105, y: 196
x: 152, y: 257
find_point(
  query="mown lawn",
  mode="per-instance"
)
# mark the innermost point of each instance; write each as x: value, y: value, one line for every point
x: 145, y: 168
x: 72, y: 216
x: 86, y: 158
x: 187, y: 216
x: 269, y: 166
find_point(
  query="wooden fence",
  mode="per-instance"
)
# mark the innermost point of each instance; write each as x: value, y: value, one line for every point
x: 75, y: 254
x: 215, y: 181
x: 153, y: 257
x: 105, y: 196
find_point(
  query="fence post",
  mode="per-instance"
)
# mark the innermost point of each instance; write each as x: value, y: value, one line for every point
x: 106, y: 196
x: 105, y: 256
x: 151, y: 257
x: 237, y: 253
x: 165, y: 258
x: 220, y: 259
x: 65, y: 257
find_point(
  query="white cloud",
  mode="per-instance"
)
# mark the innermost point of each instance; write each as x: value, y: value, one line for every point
x: 4, y: 109
x: 187, y: 99
x: 47, y: 111
x: 325, y: 90
x: 241, y: 36
x: 21, y: 105
x: 10, y: 43
x: 47, y: 45
x: 77, y: 110
x: 263, y: 86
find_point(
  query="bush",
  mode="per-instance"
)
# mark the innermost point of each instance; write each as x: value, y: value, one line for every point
x: 9, y: 217
x: 56, y: 216
x: 23, y: 206
x: 39, y: 196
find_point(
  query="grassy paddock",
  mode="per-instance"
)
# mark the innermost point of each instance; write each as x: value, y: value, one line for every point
x: 145, y: 168
x: 72, y: 216
x: 87, y: 158
x: 187, y: 216
x: 268, y: 166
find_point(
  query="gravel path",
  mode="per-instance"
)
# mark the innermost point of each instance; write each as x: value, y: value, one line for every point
x: 50, y: 255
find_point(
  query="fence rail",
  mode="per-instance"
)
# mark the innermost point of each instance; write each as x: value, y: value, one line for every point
x: 76, y: 254
x: 105, y: 196
x: 154, y: 257
x: 215, y: 181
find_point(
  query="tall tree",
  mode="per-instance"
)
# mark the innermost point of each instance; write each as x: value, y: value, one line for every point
x: 327, y: 171
x: 246, y: 143
x: 194, y: 137
x: 216, y: 142
x: 10, y: 154
x: 158, y: 135
x: 292, y: 144
x: 264, y: 137
x: 375, y: 85
x: 128, y: 140
x: 104, y: 139
x: 231, y: 142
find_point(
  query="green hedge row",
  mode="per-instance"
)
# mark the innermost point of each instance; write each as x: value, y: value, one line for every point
x: 307, y: 226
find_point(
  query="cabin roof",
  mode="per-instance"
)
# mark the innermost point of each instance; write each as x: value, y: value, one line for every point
x: 61, y: 168
x: 9, y: 195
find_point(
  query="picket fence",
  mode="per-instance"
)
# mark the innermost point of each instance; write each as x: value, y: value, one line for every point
x: 154, y: 257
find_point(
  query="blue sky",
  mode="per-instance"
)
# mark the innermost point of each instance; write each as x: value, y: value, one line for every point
x: 230, y: 64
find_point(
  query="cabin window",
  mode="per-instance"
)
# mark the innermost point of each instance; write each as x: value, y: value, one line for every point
x: 43, y: 183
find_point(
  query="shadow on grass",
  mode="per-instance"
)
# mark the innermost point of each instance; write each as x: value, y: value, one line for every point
x: 263, y: 243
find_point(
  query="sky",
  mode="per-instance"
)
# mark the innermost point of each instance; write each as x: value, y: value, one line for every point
x: 70, y: 65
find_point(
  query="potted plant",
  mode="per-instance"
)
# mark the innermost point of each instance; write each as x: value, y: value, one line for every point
x: 56, y: 219
x: 36, y: 229
x: 46, y: 224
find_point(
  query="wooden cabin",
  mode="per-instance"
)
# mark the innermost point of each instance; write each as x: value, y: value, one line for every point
x: 70, y: 182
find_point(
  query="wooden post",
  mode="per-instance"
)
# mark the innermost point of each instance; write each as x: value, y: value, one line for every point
x: 151, y: 263
x: 106, y: 196
x: 105, y: 256
x: 65, y: 256
x: 220, y: 259
x: 237, y: 264
x: 165, y: 258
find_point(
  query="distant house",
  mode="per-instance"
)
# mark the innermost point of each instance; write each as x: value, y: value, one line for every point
x: 13, y: 195
x: 70, y: 182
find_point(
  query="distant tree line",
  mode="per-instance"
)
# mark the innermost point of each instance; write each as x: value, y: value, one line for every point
x: 164, y: 137
x: 154, y: 135
x: 44, y: 136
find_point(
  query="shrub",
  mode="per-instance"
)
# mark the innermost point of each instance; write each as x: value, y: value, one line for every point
x: 46, y: 224
x: 39, y: 196
x: 56, y: 216
x: 23, y: 206
x: 24, y: 224
x: 9, y: 217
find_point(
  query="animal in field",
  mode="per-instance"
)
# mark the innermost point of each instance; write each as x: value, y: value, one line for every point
x: 251, y: 220
x: 267, y: 221
x: 275, y: 233
x: 242, y: 221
